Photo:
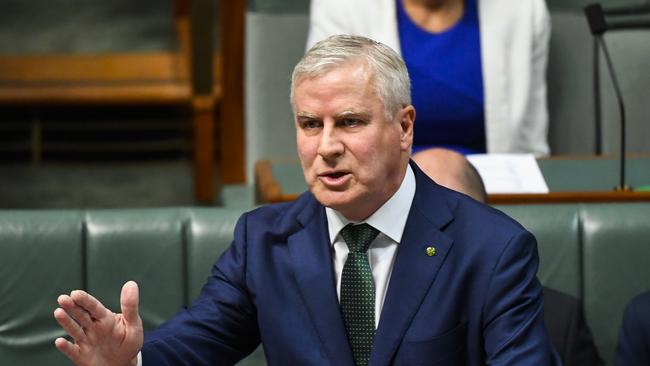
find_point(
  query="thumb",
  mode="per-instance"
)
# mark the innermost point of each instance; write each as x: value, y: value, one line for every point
x: 129, y: 302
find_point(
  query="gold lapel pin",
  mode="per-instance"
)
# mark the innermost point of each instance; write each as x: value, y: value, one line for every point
x: 431, y: 251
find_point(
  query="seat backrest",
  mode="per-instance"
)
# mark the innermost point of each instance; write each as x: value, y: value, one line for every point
x: 41, y: 258
x: 45, y: 253
x: 616, y: 253
x: 209, y: 233
x: 597, y: 252
x: 142, y: 245
x: 556, y: 228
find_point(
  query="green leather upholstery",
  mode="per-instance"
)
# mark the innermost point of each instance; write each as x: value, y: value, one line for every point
x: 40, y: 258
x: 556, y: 228
x: 616, y: 240
x: 143, y: 245
x: 597, y: 252
x: 169, y: 252
x: 210, y: 233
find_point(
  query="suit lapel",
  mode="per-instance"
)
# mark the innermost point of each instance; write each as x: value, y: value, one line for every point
x: 414, y: 270
x: 312, y: 262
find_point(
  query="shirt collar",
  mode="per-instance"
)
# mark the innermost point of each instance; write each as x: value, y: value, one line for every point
x: 389, y: 219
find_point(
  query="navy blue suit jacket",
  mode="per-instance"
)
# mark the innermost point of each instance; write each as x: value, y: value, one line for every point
x: 476, y: 302
x: 633, y: 347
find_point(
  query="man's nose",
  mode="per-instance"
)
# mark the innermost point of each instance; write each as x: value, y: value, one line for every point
x: 330, y: 145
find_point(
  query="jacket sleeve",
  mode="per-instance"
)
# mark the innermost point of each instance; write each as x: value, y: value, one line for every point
x: 220, y: 327
x: 513, y: 322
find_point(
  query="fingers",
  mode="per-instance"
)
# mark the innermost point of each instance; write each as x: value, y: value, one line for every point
x: 69, y: 325
x: 129, y: 302
x: 69, y: 349
x: 91, y: 305
x: 79, y: 314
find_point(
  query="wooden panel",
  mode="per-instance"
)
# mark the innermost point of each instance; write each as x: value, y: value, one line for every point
x: 123, y: 94
x: 232, y: 159
x: 203, y: 124
x: 18, y: 70
x: 270, y: 194
x: 147, y: 78
x: 267, y: 189
x: 94, y: 146
x: 568, y: 197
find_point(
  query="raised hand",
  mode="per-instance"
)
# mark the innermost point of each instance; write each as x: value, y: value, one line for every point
x: 100, y: 337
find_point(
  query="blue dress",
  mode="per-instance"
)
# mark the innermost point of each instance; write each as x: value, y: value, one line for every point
x: 447, y: 82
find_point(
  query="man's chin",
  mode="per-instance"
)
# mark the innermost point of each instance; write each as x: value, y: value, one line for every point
x: 337, y: 200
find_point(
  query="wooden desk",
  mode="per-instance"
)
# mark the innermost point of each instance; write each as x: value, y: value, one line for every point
x: 570, y: 179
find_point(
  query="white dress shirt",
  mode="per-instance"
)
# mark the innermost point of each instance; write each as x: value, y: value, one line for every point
x: 390, y: 220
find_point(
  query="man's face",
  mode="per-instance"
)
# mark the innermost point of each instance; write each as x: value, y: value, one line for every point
x: 352, y: 156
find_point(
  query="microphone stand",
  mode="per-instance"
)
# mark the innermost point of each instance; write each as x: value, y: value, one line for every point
x: 621, y: 107
x: 598, y: 26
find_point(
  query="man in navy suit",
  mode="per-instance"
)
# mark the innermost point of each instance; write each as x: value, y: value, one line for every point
x: 563, y: 313
x: 441, y: 279
x: 633, y: 347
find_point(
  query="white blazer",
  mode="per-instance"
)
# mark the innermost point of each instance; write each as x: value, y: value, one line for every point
x: 514, y: 50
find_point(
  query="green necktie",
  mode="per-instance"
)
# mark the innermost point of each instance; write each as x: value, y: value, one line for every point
x: 358, y: 291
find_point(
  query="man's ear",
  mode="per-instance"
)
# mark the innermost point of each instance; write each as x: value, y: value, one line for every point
x: 407, y: 119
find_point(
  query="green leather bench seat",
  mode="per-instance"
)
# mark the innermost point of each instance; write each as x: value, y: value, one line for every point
x: 40, y: 258
x: 556, y: 228
x: 596, y: 252
x: 169, y: 252
x: 616, y: 257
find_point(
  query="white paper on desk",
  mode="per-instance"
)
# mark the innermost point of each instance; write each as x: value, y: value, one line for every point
x: 509, y: 173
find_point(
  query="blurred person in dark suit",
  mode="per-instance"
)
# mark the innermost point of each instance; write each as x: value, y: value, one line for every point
x: 633, y: 347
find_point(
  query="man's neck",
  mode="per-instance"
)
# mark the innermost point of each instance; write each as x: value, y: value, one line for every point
x: 390, y: 218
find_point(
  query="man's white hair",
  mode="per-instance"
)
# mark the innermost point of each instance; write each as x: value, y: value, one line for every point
x: 386, y: 68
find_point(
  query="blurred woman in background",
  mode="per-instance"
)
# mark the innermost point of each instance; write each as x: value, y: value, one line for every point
x: 478, y: 67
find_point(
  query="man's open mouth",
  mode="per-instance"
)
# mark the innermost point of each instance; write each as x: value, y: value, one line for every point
x: 335, y: 175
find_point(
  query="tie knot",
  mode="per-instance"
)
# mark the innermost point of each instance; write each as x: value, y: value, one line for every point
x: 359, y: 237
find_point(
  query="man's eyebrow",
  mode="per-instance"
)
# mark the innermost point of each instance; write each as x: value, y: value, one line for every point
x: 306, y: 115
x: 352, y: 113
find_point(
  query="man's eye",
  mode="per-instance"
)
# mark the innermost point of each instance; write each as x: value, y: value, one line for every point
x: 310, y: 124
x: 350, y: 122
